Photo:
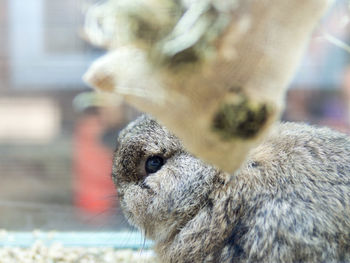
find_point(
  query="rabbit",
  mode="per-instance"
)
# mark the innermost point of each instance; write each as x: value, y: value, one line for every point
x: 288, y: 202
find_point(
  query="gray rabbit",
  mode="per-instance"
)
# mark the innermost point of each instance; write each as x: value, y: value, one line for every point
x: 289, y: 202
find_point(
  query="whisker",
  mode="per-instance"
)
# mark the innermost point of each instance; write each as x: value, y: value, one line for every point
x: 143, y: 242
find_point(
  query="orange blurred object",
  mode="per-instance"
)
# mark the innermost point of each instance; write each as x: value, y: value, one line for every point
x: 93, y: 189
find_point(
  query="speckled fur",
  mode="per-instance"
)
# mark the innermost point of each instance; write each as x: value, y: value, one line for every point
x: 289, y: 202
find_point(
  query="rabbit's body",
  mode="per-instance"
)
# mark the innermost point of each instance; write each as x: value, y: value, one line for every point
x: 289, y: 202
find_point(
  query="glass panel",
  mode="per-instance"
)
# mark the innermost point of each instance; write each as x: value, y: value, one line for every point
x: 56, y: 156
x: 55, y: 159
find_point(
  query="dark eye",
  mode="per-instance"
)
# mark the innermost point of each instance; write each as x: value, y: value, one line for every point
x: 153, y: 164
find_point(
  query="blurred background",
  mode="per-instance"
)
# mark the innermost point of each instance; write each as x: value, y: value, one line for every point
x: 56, y: 141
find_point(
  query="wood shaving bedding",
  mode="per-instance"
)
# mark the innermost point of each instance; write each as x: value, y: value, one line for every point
x: 56, y: 253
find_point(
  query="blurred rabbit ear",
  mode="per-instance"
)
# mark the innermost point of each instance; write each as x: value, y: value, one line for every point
x: 216, y: 76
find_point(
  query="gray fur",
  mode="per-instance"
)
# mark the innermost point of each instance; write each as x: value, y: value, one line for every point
x: 289, y: 202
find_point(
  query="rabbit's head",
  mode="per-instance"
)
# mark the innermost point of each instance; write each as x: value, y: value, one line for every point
x: 160, y: 185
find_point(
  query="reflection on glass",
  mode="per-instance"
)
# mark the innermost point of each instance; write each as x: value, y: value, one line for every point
x: 55, y: 160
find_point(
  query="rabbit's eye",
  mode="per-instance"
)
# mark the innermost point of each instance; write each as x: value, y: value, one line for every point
x: 153, y: 164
